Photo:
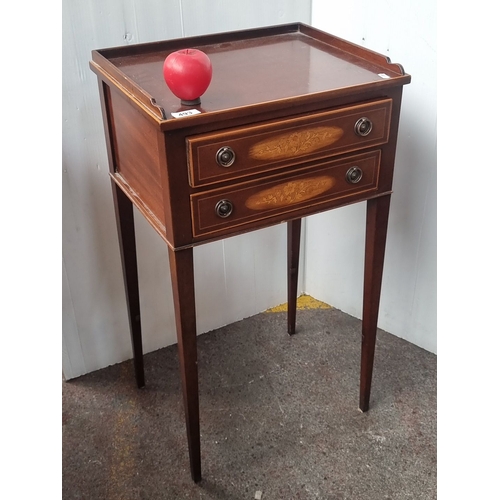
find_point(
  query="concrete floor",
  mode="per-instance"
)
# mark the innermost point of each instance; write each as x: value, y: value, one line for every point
x: 279, y: 415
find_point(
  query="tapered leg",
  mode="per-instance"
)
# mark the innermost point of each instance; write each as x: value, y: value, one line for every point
x: 293, y: 235
x: 181, y: 270
x: 126, y: 236
x: 376, y: 232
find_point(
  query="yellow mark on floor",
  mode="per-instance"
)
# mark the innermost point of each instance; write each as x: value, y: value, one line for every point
x: 303, y: 302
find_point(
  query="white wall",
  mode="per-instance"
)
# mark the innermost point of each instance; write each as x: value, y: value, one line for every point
x: 234, y: 279
x: 405, y: 31
x: 243, y: 275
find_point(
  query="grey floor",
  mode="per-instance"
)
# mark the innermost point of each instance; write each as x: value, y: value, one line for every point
x: 279, y: 416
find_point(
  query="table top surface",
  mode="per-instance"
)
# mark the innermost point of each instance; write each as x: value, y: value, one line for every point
x: 255, y: 67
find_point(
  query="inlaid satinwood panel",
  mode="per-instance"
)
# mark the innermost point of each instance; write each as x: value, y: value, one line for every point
x: 283, y: 143
x: 311, y: 188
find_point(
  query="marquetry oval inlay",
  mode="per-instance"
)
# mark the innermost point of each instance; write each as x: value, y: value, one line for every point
x: 295, y: 143
x: 290, y: 192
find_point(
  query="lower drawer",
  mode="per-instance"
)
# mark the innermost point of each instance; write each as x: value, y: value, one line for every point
x: 234, y: 206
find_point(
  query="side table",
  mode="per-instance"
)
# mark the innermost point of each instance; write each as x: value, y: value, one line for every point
x: 295, y: 122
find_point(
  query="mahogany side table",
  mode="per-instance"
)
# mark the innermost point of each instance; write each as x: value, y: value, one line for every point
x: 295, y: 122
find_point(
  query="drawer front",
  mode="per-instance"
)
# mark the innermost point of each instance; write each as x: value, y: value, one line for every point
x: 243, y: 151
x: 314, y: 188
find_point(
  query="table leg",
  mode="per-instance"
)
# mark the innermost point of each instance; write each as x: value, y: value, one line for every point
x: 126, y: 237
x: 376, y: 232
x: 182, y: 273
x: 293, y: 236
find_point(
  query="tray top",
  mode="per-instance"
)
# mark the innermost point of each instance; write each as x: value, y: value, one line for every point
x: 252, y: 67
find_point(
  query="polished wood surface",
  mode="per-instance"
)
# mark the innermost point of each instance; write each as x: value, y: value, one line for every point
x: 182, y: 275
x: 293, y: 256
x: 253, y: 68
x: 307, y: 191
x: 287, y: 102
x: 280, y: 144
x: 377, y: 216
x: 126, y: 238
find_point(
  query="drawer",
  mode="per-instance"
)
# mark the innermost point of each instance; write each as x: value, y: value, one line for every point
x: 316, y: 188
x: 243, y: 151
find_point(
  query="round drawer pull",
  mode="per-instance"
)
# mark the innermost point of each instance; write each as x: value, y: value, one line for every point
x: 363, y: 126
x: 225, y: 156
x: 224, y: 208
x: 354, y: 175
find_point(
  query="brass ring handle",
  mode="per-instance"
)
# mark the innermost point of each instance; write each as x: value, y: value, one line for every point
x: 354, y: 175
x: 363, y: 126
x: 225, y: 156
x: 224, y: 208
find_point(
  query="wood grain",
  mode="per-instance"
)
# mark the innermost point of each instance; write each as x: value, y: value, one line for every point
x: 290, y: 193
x: 279, y: 144
x: 295, y: 143
x: 301, y: 191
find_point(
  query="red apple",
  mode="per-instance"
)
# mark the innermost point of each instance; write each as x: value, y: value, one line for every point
x: 188, y: 74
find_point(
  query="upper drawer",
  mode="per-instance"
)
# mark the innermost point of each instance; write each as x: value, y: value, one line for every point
x: 243, y: 151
